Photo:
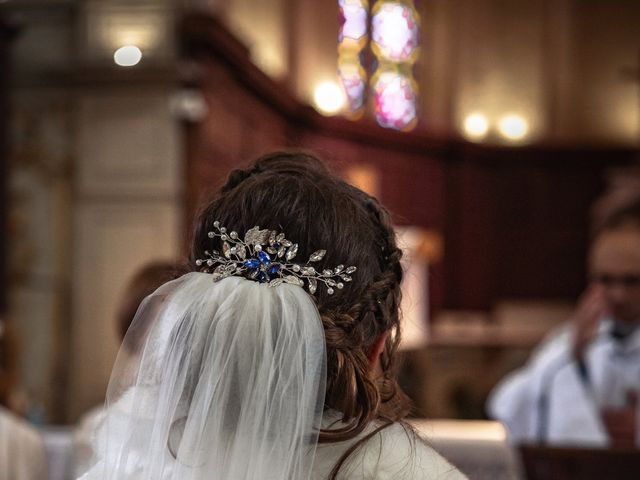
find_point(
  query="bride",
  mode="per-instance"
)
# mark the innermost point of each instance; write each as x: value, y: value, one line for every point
x: 274, y: 358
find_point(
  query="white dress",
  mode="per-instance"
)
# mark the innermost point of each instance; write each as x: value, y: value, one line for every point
x: 394, y: 453
x: 22, y: 454
x: 551, y: 399
x: 229, y: 384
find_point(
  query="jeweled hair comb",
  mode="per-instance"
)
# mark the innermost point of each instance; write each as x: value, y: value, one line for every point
x: 266, y: 257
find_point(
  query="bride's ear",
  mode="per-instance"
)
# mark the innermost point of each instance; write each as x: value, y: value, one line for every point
x: 376, y: 350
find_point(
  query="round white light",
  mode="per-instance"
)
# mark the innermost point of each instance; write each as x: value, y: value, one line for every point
x: 476, y: 126
x: 127, y: 56
x: 328, y: 98
x: 513, y: 127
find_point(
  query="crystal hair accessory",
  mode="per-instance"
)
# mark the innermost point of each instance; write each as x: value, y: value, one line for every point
x: 266, y: 257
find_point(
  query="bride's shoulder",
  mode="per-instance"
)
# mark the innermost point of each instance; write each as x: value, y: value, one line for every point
x: 394, y: 452
x: 397, y: 451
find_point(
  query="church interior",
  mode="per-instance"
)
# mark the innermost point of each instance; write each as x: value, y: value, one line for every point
x: 499, y: 134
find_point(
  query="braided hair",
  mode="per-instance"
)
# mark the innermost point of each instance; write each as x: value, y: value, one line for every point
x: 294, y: 192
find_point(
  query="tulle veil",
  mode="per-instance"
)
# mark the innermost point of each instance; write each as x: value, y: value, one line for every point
x: 227, y: 382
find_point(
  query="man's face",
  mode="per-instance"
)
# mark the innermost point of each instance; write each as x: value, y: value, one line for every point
x: 615, y: 265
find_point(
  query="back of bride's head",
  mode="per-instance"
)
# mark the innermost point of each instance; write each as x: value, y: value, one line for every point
x: 295, y: 193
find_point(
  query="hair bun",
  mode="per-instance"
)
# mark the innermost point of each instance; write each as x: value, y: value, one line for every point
x: 236, y: 177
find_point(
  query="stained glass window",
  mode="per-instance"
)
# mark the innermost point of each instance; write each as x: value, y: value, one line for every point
x: 354, y: 19
x: 394, y: 26
x: 352, y: 40
x: 395, y: 32
x: 395, y: 100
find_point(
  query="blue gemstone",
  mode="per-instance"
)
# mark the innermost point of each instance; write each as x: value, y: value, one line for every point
x: 262, y: 277
x: 264, y: 257
x: 252, y: 264
x: 274, y: 269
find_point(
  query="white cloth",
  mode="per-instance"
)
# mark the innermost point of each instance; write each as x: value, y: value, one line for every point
x: 83, y: 439
x: 229, y: 382
x: 58, y: 443
x: 395, y: 452
x: 84, y: 433
x: 22, y: 453
x: 550, y: 400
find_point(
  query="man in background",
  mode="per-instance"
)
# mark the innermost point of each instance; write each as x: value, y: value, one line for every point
x: 144, y: 282
x: 22, y: 453
x: 581, y: 385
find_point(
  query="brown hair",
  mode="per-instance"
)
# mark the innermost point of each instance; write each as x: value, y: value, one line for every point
x: 143, y: 283
x: 295, y: 193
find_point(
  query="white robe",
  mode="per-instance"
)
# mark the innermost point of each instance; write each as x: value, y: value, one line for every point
x: 22, y: 454
x: 549, y: 400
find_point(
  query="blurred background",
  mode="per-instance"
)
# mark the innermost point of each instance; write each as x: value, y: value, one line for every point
x: 497, y: 132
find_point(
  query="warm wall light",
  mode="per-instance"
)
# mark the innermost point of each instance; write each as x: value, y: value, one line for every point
x: 513, y: 127
x: 328, y: 98
x: 476, y: 126
x: 127, y: 56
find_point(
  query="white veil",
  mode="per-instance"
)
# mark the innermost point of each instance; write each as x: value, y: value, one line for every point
x: 228, y: 383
